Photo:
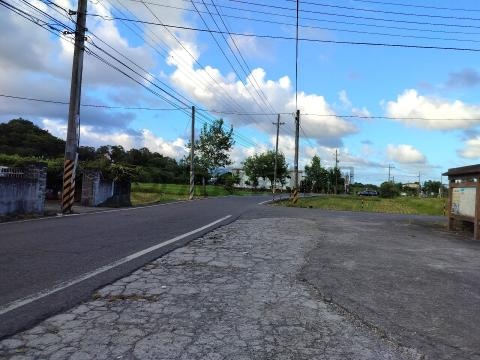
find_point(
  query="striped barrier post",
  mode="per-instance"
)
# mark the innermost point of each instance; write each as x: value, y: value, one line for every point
x: 68, y: 194
x: 294, y: 197
x: 192, y: 185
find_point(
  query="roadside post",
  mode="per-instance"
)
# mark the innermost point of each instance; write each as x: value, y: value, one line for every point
x: 464, y: 197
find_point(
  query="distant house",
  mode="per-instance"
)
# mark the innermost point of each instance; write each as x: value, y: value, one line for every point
x: 411, y: 186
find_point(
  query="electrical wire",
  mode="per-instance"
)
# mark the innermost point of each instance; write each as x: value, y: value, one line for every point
x: 278, y: 37
x: 322, y: 20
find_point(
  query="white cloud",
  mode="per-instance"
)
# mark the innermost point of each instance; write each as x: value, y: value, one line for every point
x: 405, y: 154
x: 348, y: 105
x: 342, y: 95
x: 410, y: 104
x: 229, y: 94
x: 471, y: 149
x: 362, y: 112
x: 89, y: 136
x: 35, y: 64
x: 252, y: 47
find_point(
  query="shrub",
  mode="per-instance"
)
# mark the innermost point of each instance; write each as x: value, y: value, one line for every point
x: 388, y: 190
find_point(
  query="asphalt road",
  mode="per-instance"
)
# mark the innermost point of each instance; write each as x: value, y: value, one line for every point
x: 41, y: 260
x: 405, y: 277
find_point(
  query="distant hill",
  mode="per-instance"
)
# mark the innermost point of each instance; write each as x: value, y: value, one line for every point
x: 22, y: 137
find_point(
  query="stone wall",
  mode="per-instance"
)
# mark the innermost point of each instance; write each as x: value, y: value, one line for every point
x: 22, y: 190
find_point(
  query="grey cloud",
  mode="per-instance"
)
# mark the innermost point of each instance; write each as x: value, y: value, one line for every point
x: 470, y: 134
x: 367, y: 142
x: 463, y: 79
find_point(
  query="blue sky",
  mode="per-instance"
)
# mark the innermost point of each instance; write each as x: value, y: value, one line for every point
x: 414, y: 108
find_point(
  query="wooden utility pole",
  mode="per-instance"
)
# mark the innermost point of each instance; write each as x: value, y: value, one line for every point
x: 297, y: 130
x: 192, y: 156
x: 274, y: 187
x: 73, y: 129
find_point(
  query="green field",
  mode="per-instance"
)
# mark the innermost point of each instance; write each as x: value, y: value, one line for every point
x: 399, y: 205
x: 148, y: 193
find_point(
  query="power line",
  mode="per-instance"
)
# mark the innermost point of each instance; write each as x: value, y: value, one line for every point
x: 278, y: 37
x: 37, y: 21
x: 392, y: 118
x: 156, y: 17
x: 196, y: 61
x: 151, y: 75
x: 261, y: 94
x: 223, y: 52
x: 345, y: 23
x: 226, y: 112
x: 354, y: 16
x: 414, y: 6
x: 93, y: 105
x: 355, y: 9
x: 378, y: 11
x: 296, y: 60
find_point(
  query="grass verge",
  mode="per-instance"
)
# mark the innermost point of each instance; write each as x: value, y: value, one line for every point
x: 150, y: 193
x: 399, y: 205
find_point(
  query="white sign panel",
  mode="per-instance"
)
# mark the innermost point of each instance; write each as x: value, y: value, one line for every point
x: 463, y: 201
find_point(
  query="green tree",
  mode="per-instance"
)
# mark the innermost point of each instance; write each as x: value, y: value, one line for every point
x: 389, y: 190
x: 263, y: 165
x: 316, y: 177
x: 335, y: 180
x: 212, y: 149
x: 431, y: 188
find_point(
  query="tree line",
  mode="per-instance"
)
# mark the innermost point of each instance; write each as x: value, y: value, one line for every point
x: 22, y: 142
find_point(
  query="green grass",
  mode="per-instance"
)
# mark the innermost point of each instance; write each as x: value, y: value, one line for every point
x: 399, y: 205
x: 148, y: 193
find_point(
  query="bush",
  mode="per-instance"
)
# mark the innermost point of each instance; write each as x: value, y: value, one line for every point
x: 388, y: 190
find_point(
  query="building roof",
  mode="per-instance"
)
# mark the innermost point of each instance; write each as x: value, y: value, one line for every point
x: 464, y: 170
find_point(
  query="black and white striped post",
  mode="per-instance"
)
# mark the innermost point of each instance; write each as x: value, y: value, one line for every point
x: 192, y: 156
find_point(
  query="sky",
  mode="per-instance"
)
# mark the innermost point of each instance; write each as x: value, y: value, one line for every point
x: 384, y: 83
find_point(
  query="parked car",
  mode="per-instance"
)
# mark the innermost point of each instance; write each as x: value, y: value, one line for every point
x: 368, y: 193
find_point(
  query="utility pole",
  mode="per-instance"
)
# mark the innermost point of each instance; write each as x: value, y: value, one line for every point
x: 73, y: 129
x: 419, y: 185
x: 440, y: 189
x: 192, y: 156
x: 297, y: 130
x: 274, y: 187
x: 390, y: 167
x: 335, y: 170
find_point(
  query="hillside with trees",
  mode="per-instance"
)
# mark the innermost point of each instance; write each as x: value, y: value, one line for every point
x: 22, y: 142
x: 22, y: 137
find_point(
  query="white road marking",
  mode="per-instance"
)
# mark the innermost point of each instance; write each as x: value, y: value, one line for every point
x: 271, y: 200
x: 29, y: 299
x: 94, y: 212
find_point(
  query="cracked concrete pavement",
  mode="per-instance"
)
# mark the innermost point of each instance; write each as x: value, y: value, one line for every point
x: 235, y: 293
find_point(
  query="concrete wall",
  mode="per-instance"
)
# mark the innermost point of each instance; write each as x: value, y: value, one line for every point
x: 265, y: 183
x: 22, y: 191
x: 95, y: 190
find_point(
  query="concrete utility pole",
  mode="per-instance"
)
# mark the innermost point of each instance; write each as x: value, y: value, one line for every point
x: 297, y: 130
x: 274, y: 187
x: 440, y: 189
x: 390, y: 167
x: 335, y: 169
x: 73, y: 130
x: 192, y: 156
x: 419, y: 185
